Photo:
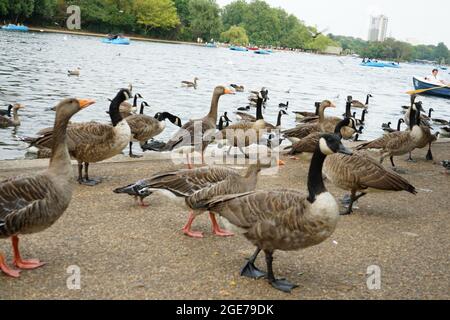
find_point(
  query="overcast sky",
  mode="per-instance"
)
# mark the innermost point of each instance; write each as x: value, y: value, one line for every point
x: 409, y: 20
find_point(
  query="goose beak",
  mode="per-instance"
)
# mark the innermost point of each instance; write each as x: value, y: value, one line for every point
x: 344, y: 150
x: 332, y: 105
x: 228, y: 91
x: 84, y: 103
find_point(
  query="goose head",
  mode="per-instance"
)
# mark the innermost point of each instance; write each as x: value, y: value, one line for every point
x: 162, y: 116
x: 68, y: 107
x: 282, y: 113
x: 331, y: 143
x: 17, y: 106
x: 327, y: 104
x: 221, y: 90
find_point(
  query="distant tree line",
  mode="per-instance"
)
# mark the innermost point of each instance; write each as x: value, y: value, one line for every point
x: 239, y: 22
x: 391, y: 49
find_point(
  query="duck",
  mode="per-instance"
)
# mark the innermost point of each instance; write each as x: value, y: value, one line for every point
x: 188, y: 138
x: 359, y: 104
x: 295, y: 134
x: 283, y: 219
x: 397, y: 143
x: 387, y: 126
x: 7, y: 112
x: 309, y: 143
x: 144, y: 128
x: 33, y: 203
x: 284, y: 105
x: 6, y: 122
x: 90, y: 142
x: 195, y: 186
x: 237, y: 88
x: 190, y: 84
x: 299, y: 115
x: 360, y: 173
x: 76, y: 72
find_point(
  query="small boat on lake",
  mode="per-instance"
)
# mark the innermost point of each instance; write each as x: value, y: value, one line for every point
x: 421, y: 83
x: 262, y: 51
x: 118, y: 40
x: 13, y: 27
x: 237, y: 48
x: 211, y: 45
x: 252, y: 48
x: 380, y: 64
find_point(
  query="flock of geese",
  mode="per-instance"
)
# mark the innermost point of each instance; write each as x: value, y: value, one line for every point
x: 271, y: 220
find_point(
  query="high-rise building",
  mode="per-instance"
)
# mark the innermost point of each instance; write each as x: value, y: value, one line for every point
x: 378, y: 28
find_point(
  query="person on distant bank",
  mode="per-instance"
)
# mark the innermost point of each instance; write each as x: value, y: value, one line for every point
x: 434, y: 77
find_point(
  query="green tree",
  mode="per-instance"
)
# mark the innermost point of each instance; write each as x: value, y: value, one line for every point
x: 234, y: 14
x: 205, y: 19
x: 4, y: 7
x: 441, y: 53
x: 20, y: 9
x: 154, y: 14
x: 235, y: 35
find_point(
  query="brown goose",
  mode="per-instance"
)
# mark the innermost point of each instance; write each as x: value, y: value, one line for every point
x: 284, y: 219
x: 190, y: 84
x: 359, y: 104
x: 299, y: 115
x: 144, y: 127
x: 15, y: 121
x: 195, y: 186
x: 309, y: 143
x: 31, y: 204
x: 194, y: 134
x: 94, y: 142
x: 397, y: 143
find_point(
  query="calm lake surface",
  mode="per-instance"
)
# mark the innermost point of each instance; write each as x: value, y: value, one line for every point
x: 33, y: 71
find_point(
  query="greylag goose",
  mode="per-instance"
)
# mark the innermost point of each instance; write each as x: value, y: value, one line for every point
x: 299, y: 115
x: 196, y: 186
x: 93, y: 142
x: 193, y: 135
x: 30, y: 204
x: 6, y: 122
x: 285, y: 220
x: 190, y: 84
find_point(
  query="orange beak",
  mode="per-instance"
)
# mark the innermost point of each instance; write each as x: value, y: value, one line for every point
x: 84, y: 103
x: 228, y: 91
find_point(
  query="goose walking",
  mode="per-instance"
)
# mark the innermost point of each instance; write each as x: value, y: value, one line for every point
x: 285, y: 220
x: 30, y: 204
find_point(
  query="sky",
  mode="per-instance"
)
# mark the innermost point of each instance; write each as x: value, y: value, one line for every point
x: 415, y: 21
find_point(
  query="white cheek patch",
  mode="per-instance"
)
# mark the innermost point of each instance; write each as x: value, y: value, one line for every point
x: 126, y: 95
x: 324, y: 147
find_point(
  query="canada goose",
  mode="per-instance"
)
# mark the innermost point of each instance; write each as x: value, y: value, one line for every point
x: 190, y: 137
x: 309, y: 143
x: 237, y: 87
x: 360, y: 173
x: 7, y: 112
x: 358, y: 104
x: 300, y: 132
x: 127, y: 109
x: 75, y: 72
x: 281, y: 113
x: 224, y: 121
x: 427, y: 140
x: 196, y: 186
x: 144, y: 127
x: 284, y: 219
x: 190, y: 84
x: 440, y: 122
x: 397, y: 143
x: 30, y: 204
x: 387, y: 126
x: 245, y: 116
x: 264, y: 92
x: 363, y: 117
x: 15, y: 121
x: 93, y: 142
x: 284, y: 105
x: 299, y: 115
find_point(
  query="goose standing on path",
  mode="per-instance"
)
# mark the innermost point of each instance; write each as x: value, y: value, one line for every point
x: 93, y: 142
x: 6, y: 122
x: 193, y: 134
x: 190, y: 84
x: 284, y: 219
x: 7, y: 112
x: 30, y: 204
x: 144, y: 127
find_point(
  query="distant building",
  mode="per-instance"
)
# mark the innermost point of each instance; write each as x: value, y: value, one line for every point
x: 378, y: 28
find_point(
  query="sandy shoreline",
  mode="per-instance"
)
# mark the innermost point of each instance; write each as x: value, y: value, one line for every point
x: 126, y: 252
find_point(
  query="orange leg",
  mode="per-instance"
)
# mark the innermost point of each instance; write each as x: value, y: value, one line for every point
x: 6, y: 269
x: 23, y: 264
x: 187, y: 228
x: 216, y: 228
x: 142, y: 203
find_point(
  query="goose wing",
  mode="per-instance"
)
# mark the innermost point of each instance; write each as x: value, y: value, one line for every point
x: 301, y: 131
x: 307, y: 144
x: 381, y: 142
x: 143, y: 127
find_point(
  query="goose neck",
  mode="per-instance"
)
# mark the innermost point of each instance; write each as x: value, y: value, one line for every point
x: 315, y: 179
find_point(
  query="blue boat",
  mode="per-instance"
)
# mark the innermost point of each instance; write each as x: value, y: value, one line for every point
x: 13, y: 27
x: 210, y: 45
x: 124, y: 41
x: 380, y: 64
x: 235, y: 48
x: 443, y: 68
x: 421, y: 83
x: 261, y: 51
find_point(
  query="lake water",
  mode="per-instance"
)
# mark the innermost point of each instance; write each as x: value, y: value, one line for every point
x: 33, y: 71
